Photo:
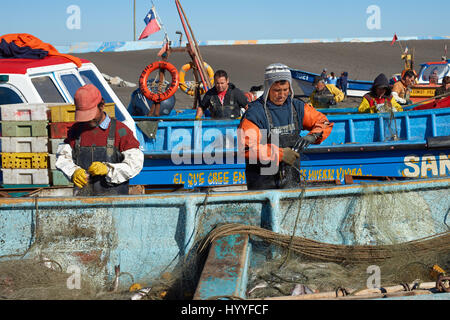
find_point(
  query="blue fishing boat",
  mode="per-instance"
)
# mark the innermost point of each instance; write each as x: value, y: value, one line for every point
x: 413, y: 144
x: 358, y: 88
x: 305, y: 80
x: 148, y: 235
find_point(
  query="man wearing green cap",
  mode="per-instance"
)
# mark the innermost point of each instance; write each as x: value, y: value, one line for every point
x: 100, y: 154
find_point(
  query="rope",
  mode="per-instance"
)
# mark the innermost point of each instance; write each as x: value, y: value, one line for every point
x: 330, y: 252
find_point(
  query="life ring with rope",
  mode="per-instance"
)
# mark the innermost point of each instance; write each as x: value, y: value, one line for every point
x: 158, y: 97
x: 188, y: 87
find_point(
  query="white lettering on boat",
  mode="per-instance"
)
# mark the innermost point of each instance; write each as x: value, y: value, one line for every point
x: 422, y: 166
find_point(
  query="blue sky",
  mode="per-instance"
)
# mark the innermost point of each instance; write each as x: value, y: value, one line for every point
x: 112, y: 20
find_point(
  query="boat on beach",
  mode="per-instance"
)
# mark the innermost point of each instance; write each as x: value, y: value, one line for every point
x: 305, y: 80
x: 422, y: 90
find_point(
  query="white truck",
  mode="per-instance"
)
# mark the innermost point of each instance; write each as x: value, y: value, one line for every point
x: 51, y: 80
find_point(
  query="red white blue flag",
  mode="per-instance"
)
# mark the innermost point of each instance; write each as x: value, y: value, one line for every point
x: 152, y: 24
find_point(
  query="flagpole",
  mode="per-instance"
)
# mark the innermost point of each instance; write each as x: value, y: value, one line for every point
x: 134, y: 19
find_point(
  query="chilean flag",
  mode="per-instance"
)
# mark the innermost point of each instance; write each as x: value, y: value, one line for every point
x: 152, y: 24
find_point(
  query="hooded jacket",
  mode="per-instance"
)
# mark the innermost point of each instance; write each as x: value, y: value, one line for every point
x: 373, y: 104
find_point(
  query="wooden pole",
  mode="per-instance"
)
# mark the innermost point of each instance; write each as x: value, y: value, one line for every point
x: 197, y: 49
x: 363, y: 294
x: 193, y: 46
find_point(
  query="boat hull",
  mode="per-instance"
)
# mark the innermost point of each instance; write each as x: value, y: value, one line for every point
x: 305, y: 81
x: 184, y: 154
x: 151, y: 234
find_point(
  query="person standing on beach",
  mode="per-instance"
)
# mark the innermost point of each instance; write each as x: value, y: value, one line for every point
x: 271, y: 127
x: 324, y: 75
x: 325, y: 95
x: 332, y: 79
x: 224, y: 100
x: 380, y: 98
x: 342, y: 83
x: 100, y: 154
x: 402, y: 89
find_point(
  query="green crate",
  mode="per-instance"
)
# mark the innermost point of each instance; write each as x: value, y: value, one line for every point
x: 24, y: 128
x: 59, y: 179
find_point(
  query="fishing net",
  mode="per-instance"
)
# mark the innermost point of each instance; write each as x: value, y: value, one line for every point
x: 324, y: 267
x: 380, y: 234
x: 28, y: 279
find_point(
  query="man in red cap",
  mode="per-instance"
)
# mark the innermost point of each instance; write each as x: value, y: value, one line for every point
x: 100, y: 154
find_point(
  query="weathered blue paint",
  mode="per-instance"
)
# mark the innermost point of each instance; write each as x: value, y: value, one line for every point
x: 225, y: 270
x: 355, y: 225
x: 359, y: 144
x: 150, y: 234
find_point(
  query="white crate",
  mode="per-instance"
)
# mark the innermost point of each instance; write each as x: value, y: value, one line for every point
x: 24, y: 112
x: 54, y: 145
x: 25, y: 176
x: 52, y: 161
x: 24, y: 144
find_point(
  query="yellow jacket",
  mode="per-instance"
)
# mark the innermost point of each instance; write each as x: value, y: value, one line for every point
x: 338, y: 94
x: 365, y: 107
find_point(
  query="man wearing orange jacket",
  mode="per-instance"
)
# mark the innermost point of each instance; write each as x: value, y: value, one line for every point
x: 271, y: 128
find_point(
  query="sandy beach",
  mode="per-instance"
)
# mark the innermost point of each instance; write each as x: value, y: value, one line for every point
x: 246, y: 63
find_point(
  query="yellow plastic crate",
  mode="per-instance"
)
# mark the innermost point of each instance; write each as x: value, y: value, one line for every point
x: 66, y: 113
x: 25, y: 160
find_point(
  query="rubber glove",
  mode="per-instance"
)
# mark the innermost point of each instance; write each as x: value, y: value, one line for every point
x: 198, y: 118
x: 305, y: 141
x: 79, y: 178
x: 98, y: 169
x: 289, y: 156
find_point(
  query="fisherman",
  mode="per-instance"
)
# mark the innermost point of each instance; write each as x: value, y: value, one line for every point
x: 100, y: 154
x: 402, y: 89
x: 342, y: 83
x: 380, y: 98
x: 271, y: 128
x: 325, y: 95
x: 324, y: 75
x: 224, y: 100
x: 434, y: 78
x: 445, y: 88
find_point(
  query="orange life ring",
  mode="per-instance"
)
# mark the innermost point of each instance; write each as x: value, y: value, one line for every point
x: 158, y: 97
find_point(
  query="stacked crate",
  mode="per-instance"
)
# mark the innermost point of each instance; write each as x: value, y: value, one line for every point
x: 61, y: 119
x: 24, y: 145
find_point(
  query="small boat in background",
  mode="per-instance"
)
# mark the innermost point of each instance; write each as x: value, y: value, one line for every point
x: 305, y: 80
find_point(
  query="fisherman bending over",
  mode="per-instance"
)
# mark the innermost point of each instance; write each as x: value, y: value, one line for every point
x: 100, y: 146
x: 271, y: 128
x: 325, y: 95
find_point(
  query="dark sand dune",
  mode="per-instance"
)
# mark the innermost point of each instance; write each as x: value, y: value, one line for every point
x: 246, y: 63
